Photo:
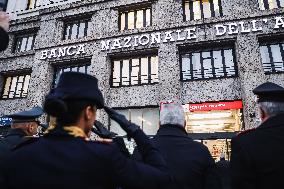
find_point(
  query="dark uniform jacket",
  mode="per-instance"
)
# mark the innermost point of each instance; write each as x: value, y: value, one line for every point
x: 14, y: 137
x: 58, y: 161
x: 189, y: 161
x: 257, y: 159
x: 4, y: 39
x: 223, y: 172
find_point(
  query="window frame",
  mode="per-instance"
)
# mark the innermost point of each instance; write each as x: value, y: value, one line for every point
x: 272, y: 63
x: 68, y: 64
x: 131, y: 108
x: 213, y: 14
x: 200, y: 51
x: 16, y: 47
x: 266, y: 5
x: 87, y: 19
x: 130, y: 58
x: 13, y: 74
x: 135, y: 10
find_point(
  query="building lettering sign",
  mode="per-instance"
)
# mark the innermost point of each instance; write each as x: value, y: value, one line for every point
x: 215, y: 106
x: 63, y: 51
x: 180, y: 35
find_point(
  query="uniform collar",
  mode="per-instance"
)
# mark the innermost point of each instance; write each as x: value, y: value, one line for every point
x: 274, y: 121
x: 171, y: 130
x: 69, y: 131
x: 18, y: 132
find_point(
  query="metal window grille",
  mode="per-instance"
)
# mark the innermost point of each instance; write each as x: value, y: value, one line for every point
x: 135, y: 71
x: 25, y: 43
x: 77, y: 29
x: 132, y: 19
x: 272, y: 57
x: 200, y: 9
x: 208, y: 64
x: 74, y: 68
x: 270, y: 4
x: 16, y: 86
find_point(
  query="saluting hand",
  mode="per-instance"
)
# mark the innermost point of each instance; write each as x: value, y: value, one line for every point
x: 127, y: 126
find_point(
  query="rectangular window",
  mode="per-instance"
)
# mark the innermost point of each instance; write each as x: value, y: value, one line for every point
x: 272, y: 56
x: 270, y: 4
x: 16, y: 86
x: 31, y: 4
x: 208, y: 64
x: 77, y: 29
x: 199, y: 9
x: 24, y: 43
x: 137, y: 18
x: 146, y: 118
x: 135, y: 71
x: 73, y: 68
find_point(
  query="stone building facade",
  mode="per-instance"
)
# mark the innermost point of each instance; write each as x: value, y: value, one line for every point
x: 202, y: 53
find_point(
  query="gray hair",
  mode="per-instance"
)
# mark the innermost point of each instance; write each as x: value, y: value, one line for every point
x: 272, y: 108
x: 172, y: 114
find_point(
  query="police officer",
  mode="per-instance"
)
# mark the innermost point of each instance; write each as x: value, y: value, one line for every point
x: 257, y: 154
x: 24, y: 123
x: 65, y: 158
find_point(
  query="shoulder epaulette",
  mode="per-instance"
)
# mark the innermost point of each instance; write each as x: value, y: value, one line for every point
x: 245, y: 131
x: 26, y: 141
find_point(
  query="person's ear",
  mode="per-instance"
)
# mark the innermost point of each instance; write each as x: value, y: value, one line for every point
x: 263, y: 115
x: 89, y: 112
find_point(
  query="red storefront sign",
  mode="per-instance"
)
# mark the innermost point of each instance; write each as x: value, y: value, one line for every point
x: 216, y: 106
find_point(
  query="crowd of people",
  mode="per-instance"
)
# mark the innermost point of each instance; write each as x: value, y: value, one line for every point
x: 66, y: 157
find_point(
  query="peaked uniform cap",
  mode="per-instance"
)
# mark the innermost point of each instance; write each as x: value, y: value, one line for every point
x: 269, y: 92
x: 27, y: 115
x: 75, y: 85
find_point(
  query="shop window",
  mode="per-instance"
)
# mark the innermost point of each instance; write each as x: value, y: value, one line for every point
x: 77, y: 29
x: 272, y: 57
x: 270, y: 4
x: 218, y: 148
x: 16, y: 86
x: 208, y: 64
x: 74, y: 68
x: 25, y: 42
x: 137, y: 18
x: 146, y: 118
x: 135, y: 71
x: 200, y: 9
x: 214, y: 117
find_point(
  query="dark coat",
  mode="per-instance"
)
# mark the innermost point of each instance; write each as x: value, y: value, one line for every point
x: 257, y: 159
x: 223, y: 172
x: 63, y: 161
x: 189, y: 161
x: 4, y: 39
x: 14, y: 137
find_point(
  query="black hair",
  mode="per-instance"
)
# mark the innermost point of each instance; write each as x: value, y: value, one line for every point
x: 66, y: 112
